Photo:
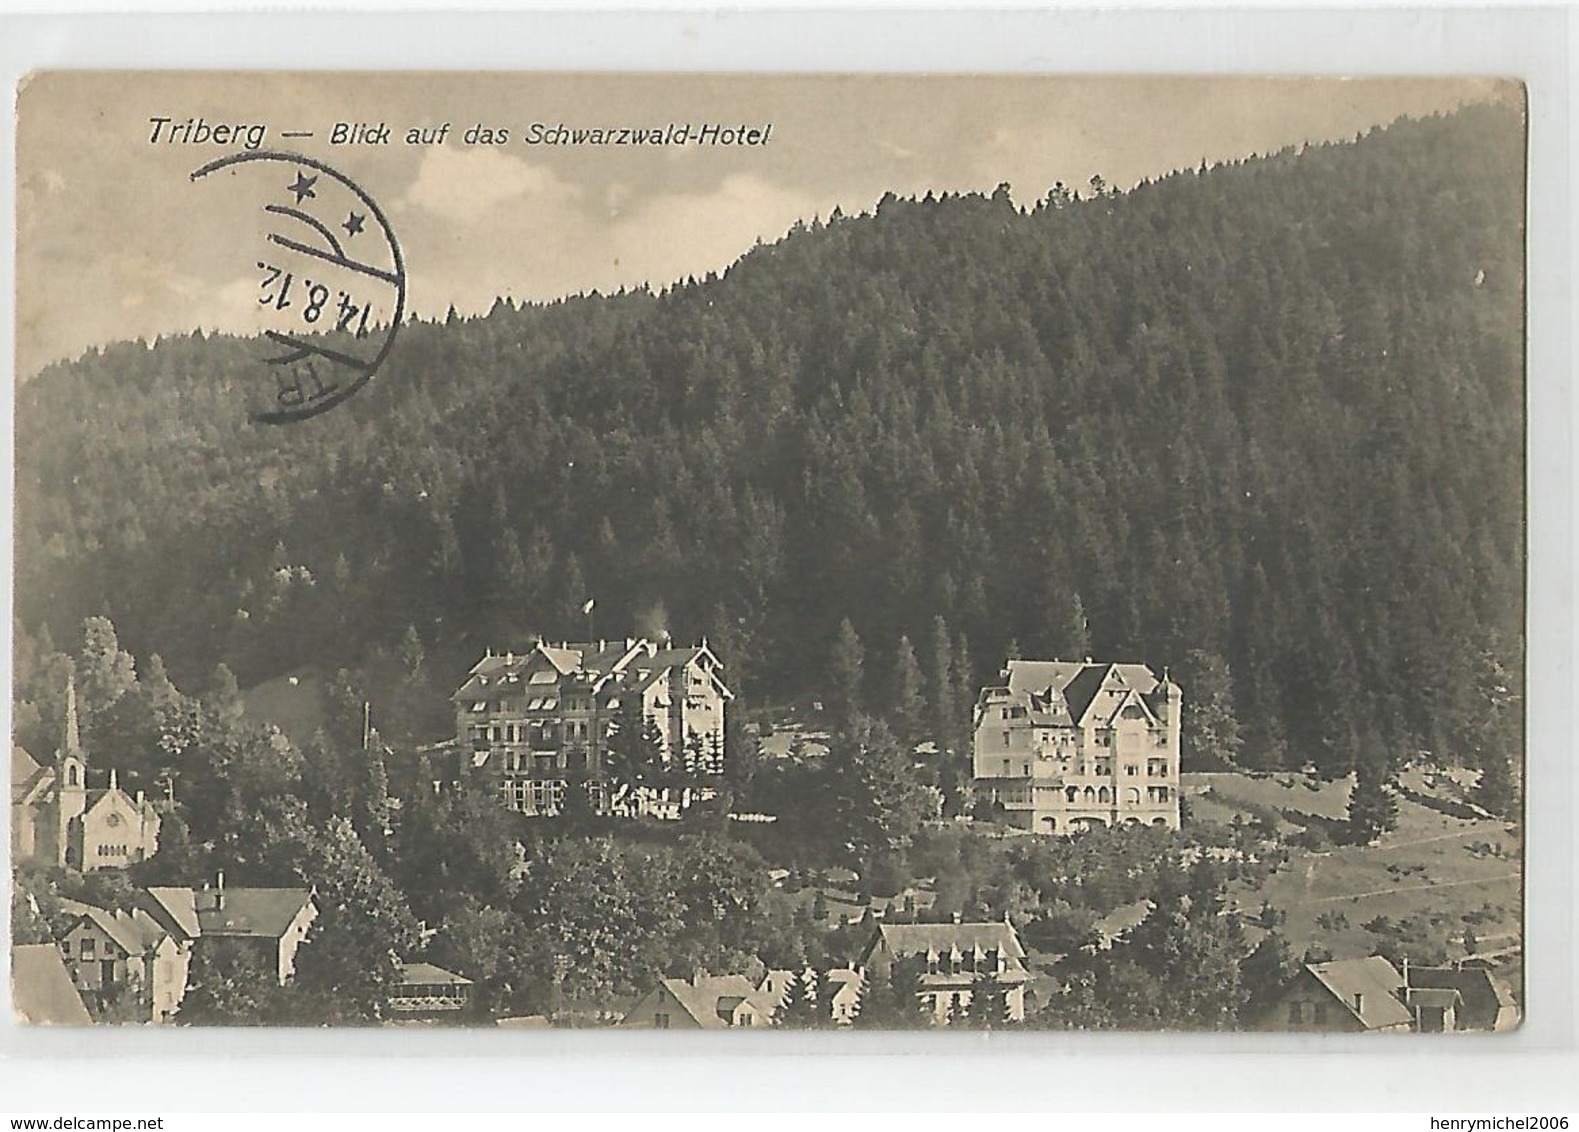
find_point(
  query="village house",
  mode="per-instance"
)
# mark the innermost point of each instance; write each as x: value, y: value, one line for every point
x: 42, y: 993
x: 703, y: 1002
x: 956, y: 957
x: 842, y: 989
x: 1062, y: 746
x: 113, y: 953
x: 58, y: 819
x: 1370, y: 995
x: 272, y: 922
x: 534, y: 721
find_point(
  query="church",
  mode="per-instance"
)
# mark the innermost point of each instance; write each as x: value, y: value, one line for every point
x: 57, y: 818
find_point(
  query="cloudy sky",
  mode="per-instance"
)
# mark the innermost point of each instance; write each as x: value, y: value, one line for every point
x: 115, y: 241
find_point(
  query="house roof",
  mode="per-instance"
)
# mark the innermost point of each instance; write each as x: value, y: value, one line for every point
x: 1484, y: 995
x: 709, y: 999
x: 41, y: 991
x: 1056, y: 687
x: 1434, y: 996
x: 23, y: 765
x: 427, y: 975
x: 1374, y: 980
x: 846, y: 983
x: 26, y: 775
x: 176, y: 908
x: 133, y: 932
x: 918, y: 939
x: 777, y: 982
x: 593, y: 661
x: 262, y: 913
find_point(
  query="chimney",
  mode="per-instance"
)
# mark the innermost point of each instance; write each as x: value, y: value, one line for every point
x: 1406, y: 970
x: 219, y: 890
x: 956, y: 917
x: 1359, y: 1002
x: 112, y: 779
x: 697, y: 975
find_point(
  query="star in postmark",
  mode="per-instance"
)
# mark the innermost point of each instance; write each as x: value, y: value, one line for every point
x: 303, y: 187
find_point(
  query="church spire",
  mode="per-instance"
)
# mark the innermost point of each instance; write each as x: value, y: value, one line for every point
x: 72, y: 739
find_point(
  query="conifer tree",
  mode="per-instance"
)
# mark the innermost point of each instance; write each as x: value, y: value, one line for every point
x: 1373, y: 807
x: 940, y: 679
x: 907, y: 705
x: 846, y: 673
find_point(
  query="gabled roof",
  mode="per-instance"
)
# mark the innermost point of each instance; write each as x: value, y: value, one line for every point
x: 115, y: 796
x: 1078, y: 683
x: 1376, y: 982
x: 1443, y: 997
x: 846, y: 985
x: 135, y: 933
x: 27, y: 776
x: 710, y: 999
x: 1082, y: 689
x: 1484, y: 995
x: 42, y: 993
x: 777, y: 983
x: 23, y: 765
x: 176, y: 909
x: 260, y: 913
x: 1048, y: 708
x: 1039, y: 675
x: 594, y: 662
x: 1118, y: 702
x: 922, y: 939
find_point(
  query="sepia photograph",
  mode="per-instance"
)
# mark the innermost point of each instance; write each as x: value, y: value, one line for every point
x: 832, y: 552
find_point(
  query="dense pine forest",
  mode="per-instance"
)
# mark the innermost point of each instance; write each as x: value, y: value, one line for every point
x: 1260, y: 422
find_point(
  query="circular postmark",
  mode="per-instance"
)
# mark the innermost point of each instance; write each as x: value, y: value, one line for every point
x: 327, y: 288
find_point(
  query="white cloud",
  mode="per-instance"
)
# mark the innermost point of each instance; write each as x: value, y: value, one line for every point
x: 468, y: 183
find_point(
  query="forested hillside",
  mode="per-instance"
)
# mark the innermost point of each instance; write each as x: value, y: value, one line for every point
x: 1270, y: 412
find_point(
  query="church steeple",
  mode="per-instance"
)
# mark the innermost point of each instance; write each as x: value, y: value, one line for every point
x: 71, y: 784
x: 71, y: 740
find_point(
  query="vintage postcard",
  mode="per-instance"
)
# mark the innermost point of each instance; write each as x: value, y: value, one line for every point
x: 739, y: 552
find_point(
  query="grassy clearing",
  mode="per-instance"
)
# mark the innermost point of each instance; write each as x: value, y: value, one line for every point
x: 1439, y: 872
